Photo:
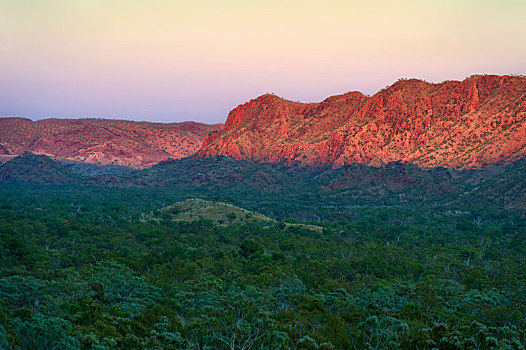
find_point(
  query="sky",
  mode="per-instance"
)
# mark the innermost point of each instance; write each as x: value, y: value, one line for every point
x: 176, y: 60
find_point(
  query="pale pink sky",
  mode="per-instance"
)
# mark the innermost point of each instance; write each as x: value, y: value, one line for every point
x: 175, y: 60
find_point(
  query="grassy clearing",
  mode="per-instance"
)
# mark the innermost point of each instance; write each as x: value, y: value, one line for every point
x: 218, y: 212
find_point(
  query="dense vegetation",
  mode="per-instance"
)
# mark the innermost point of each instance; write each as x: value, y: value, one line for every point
x: 94, y: 263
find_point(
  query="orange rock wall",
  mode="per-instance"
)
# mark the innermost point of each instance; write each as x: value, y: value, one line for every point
x: 469, y: 123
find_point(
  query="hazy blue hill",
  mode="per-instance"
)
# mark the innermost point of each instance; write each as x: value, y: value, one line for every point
x: 88, y: 169
x: 30, y: 168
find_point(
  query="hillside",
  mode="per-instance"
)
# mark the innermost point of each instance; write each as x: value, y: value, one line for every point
x: 103, y: 141
x: 223, y: 214
x: 219, y: 213
x: 274, y: 185
x: 30, y: 168
x: 455, y: 124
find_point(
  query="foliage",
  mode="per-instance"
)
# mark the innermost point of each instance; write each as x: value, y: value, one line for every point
x: 90, y: 267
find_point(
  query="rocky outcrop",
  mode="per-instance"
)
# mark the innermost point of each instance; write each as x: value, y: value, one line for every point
x: 103, y: 141
x: 463, y: 124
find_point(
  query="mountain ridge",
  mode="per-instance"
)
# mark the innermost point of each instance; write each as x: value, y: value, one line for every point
x: 102, y: 141
x: 456, y: 124
x: 471, y: 123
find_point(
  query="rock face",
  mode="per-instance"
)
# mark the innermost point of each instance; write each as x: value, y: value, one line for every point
x: 103, y: 141
x: 472, y: 123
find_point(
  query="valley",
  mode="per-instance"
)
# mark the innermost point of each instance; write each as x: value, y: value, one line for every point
x: 395, y: 221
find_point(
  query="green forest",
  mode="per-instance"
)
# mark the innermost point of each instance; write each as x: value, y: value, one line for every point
x: 394, y: 257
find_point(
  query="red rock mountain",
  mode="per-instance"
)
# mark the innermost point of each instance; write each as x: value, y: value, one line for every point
x: 469, y: 123
x: 104, y: 141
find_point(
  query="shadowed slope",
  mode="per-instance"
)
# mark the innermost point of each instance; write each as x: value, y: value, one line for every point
x: 30, y: 168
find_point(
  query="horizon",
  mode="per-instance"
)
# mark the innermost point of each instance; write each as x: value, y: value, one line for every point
x: 195, y: 61
x: 241, y: 103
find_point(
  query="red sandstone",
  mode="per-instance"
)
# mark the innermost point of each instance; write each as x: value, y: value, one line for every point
x: 472, y: 123
x: 103, y: 141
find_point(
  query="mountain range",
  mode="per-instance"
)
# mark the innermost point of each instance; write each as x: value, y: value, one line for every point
x: 395, y: 221
x: 456, y: 124
x: 462, y: 124
x: 102, y: 141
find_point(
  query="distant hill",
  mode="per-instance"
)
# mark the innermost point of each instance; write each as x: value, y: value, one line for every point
x: 30, y: 168
x: 216, y: 171
x: 103, y: 141
x: 456, y: 124
x: 89, y: 169
x: 501, y: 185
x: 395, y: 183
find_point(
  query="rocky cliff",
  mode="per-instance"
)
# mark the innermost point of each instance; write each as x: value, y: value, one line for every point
x: 470, y: 123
